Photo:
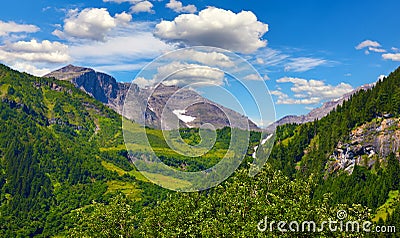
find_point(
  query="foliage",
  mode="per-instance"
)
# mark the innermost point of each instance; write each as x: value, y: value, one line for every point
x: 115, y: 219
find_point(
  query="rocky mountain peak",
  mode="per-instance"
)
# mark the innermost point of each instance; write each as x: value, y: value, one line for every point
x: 69, y: 72
x: 99, y: 85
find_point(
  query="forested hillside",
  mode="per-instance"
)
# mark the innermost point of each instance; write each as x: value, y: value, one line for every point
x: 304, y: 150
x: 64, y: 171
x: 51, y: 162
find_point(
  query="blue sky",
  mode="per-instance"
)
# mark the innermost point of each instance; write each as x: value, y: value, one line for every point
x: 313, y: 51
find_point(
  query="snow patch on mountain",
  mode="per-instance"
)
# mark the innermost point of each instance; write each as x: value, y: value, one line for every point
x: 181, y: 115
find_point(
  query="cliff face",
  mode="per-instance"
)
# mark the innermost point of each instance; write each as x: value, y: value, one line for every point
x: 107, y: 90
x: 101, y: 86
x: 366, y: 144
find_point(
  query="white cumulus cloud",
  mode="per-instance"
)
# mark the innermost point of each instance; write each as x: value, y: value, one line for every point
x: 208, y: 58
x: 310, y: 91
x: 240, y: 32
x: 31, y: 69
x: 137, y: 5
x: 12, y: 27
x: 184, y: 74
x: 91, y: 23
x: 35, y: 46
x: 144, y: 6
x: 121, y: 1
x: 177, y: 6
x: 391, y: 56
x: 123, y: 18
x: 34, y: 51
x: 121, y: 48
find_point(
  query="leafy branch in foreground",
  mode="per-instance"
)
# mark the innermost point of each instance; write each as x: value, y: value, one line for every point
x: 115, y: 219
x: 233, y: 209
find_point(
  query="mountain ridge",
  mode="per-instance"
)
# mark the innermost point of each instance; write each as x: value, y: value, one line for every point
x: 107, y: 90
x: 101, y: 86
x: 319, y: 112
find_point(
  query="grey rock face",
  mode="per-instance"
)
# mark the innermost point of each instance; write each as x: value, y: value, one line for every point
x: 101, y: 86
x: 366, y: 144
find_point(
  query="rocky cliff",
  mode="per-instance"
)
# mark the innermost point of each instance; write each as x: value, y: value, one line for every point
x: 366, y: 144
x: 101, y: 86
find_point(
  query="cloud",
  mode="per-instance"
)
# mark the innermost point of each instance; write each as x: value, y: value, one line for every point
x: 212, y: 26
x: 123, y: 18
x: 134, y: 43
x: 91, y: 23
x: 377, y: 50
x: 34, y: 46
x: 144, y: 6
x: 177, y: 6
x: 303, y: 64
x: 260, y: 61
x: 254, y: 77
x: 395, y: 49
x: 283, y: 98
x: 29, y: 68
x: 34, y: 57
x: 12, y: 27
x: 34, y: 51
x: 390, y: 56
x: 120, y: 67
x: 183, y: 74
x: 208, y: 58
x: 127, y: 49
x: 310, y: 91
x: 368, y: 43
x: 143, y: 83
x: 270, y: 57
x: 122, y: 1
x: 371, y: 46
x: 137, y: 5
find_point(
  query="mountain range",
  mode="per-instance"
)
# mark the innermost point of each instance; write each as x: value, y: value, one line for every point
x: 107, y: 90
x: 187, y: 106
